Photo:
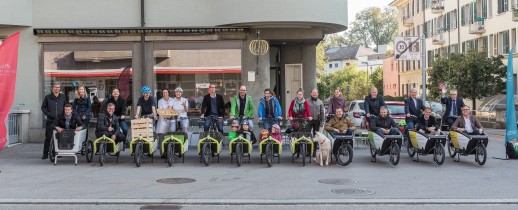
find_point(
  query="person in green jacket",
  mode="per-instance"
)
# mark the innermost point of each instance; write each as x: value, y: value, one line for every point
x: 232, y: 134
x: 242, y: 107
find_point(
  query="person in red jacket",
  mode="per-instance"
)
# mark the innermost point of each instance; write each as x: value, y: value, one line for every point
x: 299, y: 108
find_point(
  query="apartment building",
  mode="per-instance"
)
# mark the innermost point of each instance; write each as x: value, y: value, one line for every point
x: 455, y: 26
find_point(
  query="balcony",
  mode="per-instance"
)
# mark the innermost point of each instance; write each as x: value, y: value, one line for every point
x: 437, y: 6
x: 408, y: 21
x: 477, y: 27
x: 438, y: 39
x: 514, y: 9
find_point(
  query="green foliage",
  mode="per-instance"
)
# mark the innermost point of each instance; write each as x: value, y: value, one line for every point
x: 373, y: 26
x: 333, y: 40
x: 392, y: 98
x: 376, y: 79
x: 347, y: 77
x: 321, y: 59
x: 472, y: 74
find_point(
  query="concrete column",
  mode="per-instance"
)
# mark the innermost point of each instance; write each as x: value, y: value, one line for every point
x: 309, y: 72
x: 262, y: 72
x: 137, y: 77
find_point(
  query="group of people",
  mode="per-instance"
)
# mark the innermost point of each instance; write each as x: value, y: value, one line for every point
x: 305, y: 114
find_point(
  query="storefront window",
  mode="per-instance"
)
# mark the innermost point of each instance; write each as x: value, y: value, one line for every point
x: 193, y: 71
x: 99, y: 71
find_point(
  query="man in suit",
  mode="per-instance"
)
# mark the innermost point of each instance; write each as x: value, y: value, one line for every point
x: 453, y: 106
x: 413, y: 106
x: 467, y: 123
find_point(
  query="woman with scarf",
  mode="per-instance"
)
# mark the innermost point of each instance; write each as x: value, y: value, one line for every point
x: 299, y: 108
x: 82, y: 106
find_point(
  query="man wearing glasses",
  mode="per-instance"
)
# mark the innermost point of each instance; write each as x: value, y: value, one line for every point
x: 453, y: 106
x: 467, y: 123
x: 108, y: 125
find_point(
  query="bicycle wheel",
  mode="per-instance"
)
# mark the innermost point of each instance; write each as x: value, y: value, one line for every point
x: 345, y: 154
x: 451, y: 149
x: 480, y: 154
x: 206, y: 153
x: 89, y: 151
x: 303, y: 153
x: 139, y: 152
x: 170, y: 153
x: 438, y: 154
x: 52, y: 151
x: 394, y: 154
x: 102, y: 153
x: 269, y: 153
x: 239, y: 153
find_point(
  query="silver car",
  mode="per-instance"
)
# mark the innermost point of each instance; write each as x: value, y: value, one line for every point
x: 356, y: 112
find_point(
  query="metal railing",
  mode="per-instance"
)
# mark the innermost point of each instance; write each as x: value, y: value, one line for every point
x: 13, y: 128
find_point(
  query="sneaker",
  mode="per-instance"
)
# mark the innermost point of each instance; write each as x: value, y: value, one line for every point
x: 45, y: 156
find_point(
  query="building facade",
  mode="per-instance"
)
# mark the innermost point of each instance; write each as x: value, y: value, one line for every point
x: 390, y: 77
x: 166, y: 44
x: 455, y: 26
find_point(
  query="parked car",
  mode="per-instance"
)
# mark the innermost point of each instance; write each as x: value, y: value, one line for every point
x: 396, y: 110
x: 356, y: 112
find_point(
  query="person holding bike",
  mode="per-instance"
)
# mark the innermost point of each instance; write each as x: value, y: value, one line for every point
x: 120, y: 109
x: 108, y: 125
x: 413, y: 106
x: 373, y: 102
x: 316, y: 107
x: 164, y: 125
x: 454, y: 105
x: 383, y: 124
x: 335, y: 102
x: 242, y: 106
x: 214, y: 106
x: 427, y: 122
x: 51, y: 107
x: 340, y: 124
x: 269, y: 111
x: 146, y: 106
x: 467, y: 123
x: 299, y: 108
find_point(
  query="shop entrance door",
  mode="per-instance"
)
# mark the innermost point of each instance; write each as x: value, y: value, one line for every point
x: 293, y: 81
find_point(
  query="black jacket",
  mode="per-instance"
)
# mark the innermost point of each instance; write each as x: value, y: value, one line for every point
x: 372, y: 106
x: 120, y: 106
x: 205, y: 105
x: 449, y: 103
x: 379, y: 122
x: 410, y: 107
x: 53, y: 106
x: 432, y: 122
x: 75, y: 121
x: 103, y: 123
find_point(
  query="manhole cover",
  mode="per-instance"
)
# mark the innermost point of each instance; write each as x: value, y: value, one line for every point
x: 175, y: 180
x: 155, y: 207
x: 337, y: 181
x: 353, y: 191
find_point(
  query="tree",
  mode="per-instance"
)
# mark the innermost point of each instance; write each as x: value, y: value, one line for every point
x: 373, y: 27
x: 321, y: 59
x: 347, y: 77
x: 333, y: 40
x: 376, y: 79
x: 473, y: 74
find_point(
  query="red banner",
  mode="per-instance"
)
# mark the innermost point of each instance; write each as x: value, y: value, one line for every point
x: 8, y: 66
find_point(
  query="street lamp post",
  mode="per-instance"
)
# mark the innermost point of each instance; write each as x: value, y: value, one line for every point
x: 367, y: 70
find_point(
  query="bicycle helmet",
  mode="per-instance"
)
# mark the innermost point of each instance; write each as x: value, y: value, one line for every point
x: 235, y: 124
x: 276, y: 127
x: 402, y: 123
x: 178, y: 89
x: 245, y: 122
x: 145, y: 89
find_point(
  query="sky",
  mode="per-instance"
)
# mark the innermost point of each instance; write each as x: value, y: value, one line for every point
x: 356, y: 6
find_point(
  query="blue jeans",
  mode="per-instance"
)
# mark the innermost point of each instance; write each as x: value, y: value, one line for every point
x: 268, y: 123
x: 393, y: 131
x: 208, y: 122
x: 410, y: 124
x: 124, y: 126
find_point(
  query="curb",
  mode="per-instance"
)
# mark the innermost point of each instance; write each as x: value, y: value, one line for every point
x: 260, y: 202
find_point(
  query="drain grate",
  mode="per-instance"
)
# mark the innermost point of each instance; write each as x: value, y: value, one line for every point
x: 353, y: 191
x: 175, y: 180
x: 337, y: 181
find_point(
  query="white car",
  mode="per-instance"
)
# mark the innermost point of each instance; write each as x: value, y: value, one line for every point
x: 356, y: 112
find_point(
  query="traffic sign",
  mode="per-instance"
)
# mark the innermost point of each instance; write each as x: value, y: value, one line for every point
x: 408, y: 48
